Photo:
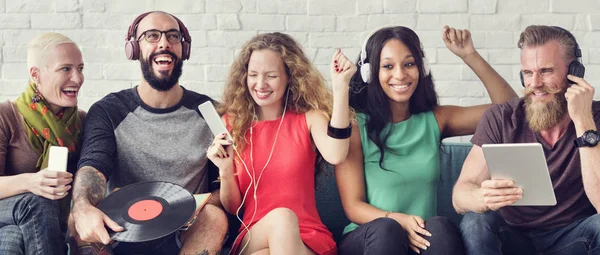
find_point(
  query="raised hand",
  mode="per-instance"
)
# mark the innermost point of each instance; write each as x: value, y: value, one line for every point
x: 579, y: 99
x: 458, y: 41
x: 342, y: 70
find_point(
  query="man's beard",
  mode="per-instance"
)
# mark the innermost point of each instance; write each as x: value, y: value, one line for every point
x: 544, y: 115
x: 161, y: 84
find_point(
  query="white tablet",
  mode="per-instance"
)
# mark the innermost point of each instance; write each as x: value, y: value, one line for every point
x: 525, y: 164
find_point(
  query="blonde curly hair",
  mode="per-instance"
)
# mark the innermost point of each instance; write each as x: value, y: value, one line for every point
x: 306, y: 87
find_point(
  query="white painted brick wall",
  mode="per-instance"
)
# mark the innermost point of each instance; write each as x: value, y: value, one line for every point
x: 14, y: 21
x: 519, y: 6
x: 594, y: 55
x: 262, y: 22
x: 93, y: 5
x: 67, y: 6
x: 180, y: 6
x: 483, y: 6
x: 400, y: 6
x: 579, y: 6
x: 138, y: 6
x: 220, y: 27
x: 223, y: 6
x: 228, y: 21
x: 445, y: 6
x: 199, y: 21
x: 370, y: 7
x: 594, y: 22
x: 300, y: 23
x: 334, y: 7
x: 56, y: 21
x: 282, y: 6
x: 29, y: 6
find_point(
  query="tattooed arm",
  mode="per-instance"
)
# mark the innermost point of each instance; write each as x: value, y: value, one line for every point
x: 89, y: 187
x: 88, y: 191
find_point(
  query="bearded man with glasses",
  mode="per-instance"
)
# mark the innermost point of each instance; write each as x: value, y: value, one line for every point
x: 152, y: 132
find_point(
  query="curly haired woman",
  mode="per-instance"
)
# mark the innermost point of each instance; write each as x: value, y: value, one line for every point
x: 281, y: 116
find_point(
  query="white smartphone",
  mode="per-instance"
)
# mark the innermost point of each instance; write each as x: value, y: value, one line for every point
x: 213, y: 120
x: 57, y: 159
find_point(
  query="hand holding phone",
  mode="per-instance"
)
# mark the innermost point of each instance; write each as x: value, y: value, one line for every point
x: 57, y: 160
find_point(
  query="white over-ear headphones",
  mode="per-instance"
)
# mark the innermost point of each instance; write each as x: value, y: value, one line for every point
x: 365, y: 68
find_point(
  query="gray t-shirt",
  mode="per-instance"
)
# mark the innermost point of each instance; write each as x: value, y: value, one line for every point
x: 130, y: 142
x: 506, y: 123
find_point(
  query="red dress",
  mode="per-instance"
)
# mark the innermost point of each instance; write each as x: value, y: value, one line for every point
x: 287, y: 181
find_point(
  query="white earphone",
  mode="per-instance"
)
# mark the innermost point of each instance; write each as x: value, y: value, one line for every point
x: 365, y: 68
x: 254, y: 181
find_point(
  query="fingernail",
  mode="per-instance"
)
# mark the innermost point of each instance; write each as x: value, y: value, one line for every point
x: 229, y: 141
x: 337, y: 70
x: 335, y: 61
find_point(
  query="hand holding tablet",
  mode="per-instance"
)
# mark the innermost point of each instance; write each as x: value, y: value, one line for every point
x: 518, y: 167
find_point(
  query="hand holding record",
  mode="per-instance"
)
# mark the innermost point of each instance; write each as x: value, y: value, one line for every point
x: 90, y: 222
x: 147, y: 210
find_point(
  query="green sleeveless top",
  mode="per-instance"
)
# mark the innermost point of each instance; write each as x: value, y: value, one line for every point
x: 408, y: 184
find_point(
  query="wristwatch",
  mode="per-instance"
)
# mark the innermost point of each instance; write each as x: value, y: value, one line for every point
x: 589, y: 139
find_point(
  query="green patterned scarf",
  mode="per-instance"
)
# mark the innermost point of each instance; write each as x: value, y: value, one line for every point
x: 44, y: 128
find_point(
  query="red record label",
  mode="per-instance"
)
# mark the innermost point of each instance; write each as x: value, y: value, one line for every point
x: 144, y: 210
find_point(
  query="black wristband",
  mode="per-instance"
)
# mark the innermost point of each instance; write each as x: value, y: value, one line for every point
x: 339, y: 133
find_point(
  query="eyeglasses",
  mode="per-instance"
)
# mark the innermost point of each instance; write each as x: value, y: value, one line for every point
x: 154, y: 35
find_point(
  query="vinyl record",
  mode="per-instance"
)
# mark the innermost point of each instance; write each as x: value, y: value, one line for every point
x: 148, y: 210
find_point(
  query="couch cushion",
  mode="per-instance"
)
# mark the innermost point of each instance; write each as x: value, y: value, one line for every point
x: 329, y: 204
x: 452, y: 156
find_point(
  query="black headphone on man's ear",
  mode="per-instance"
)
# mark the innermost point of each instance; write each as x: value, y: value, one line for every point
x: 576, y: 67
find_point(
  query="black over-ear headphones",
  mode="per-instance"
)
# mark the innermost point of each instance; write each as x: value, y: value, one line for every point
x: 576, y: 68
x: 132, y: 46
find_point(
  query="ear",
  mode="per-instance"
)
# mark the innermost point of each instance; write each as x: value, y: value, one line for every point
x: 34, y: 74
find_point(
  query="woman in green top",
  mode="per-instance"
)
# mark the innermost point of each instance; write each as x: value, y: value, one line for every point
x: 389, y: 180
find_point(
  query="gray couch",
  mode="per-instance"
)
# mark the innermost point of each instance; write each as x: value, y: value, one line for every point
x: 452, y: 156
